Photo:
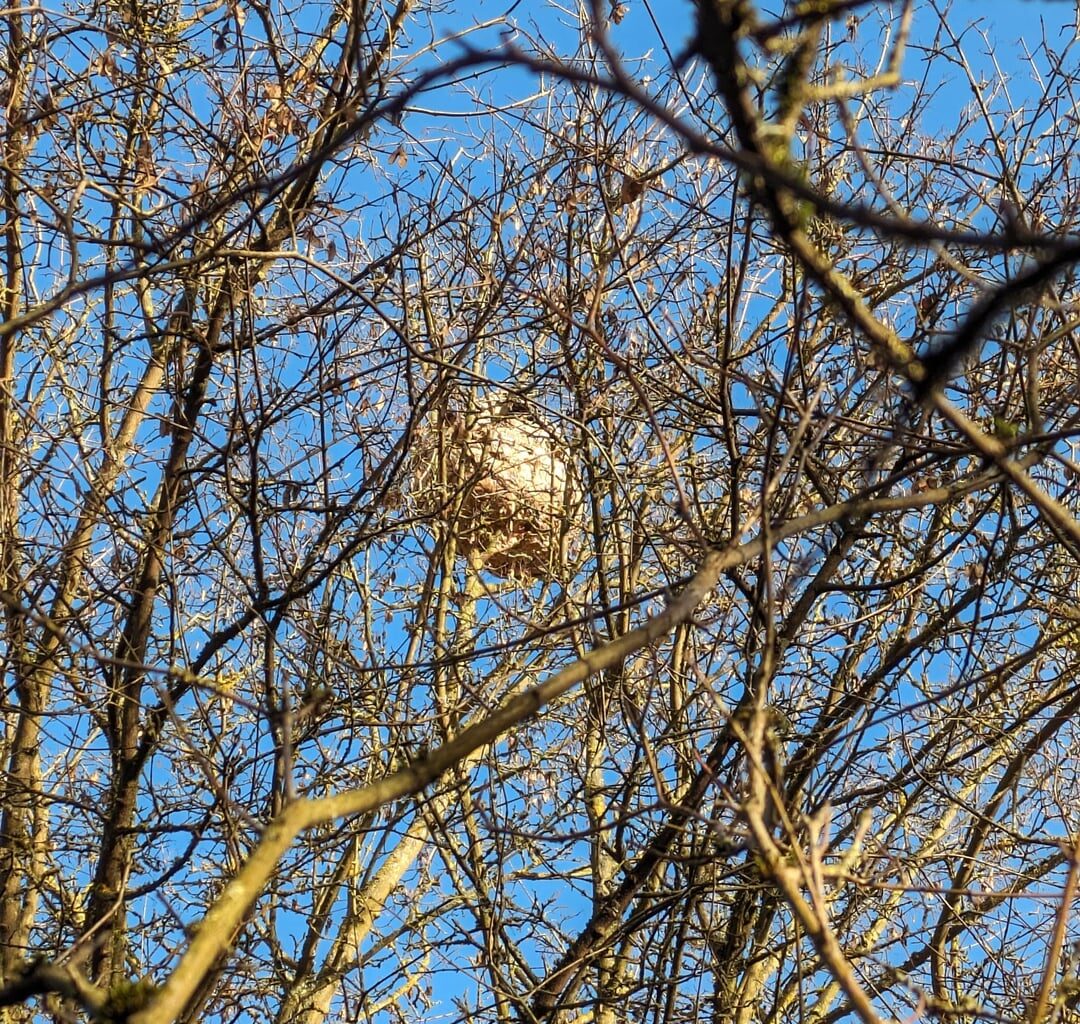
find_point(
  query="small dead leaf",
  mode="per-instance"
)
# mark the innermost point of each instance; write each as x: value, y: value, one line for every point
x: 146, y: 171
x: 619, y: 11
x: 108, y: 66
x: 631, y: 189
x: 399, y: 157
x: 927, y: 306
x: 306, y: 86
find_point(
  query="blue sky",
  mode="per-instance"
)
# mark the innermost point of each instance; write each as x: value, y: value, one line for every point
x: 647, y: 33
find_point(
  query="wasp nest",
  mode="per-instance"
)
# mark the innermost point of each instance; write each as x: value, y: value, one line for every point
x: 501, y: 483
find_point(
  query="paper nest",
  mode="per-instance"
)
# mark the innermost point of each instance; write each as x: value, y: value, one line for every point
x: 509, y: 493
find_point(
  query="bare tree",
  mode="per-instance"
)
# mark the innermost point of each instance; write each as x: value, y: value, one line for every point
x: 496, y: 528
